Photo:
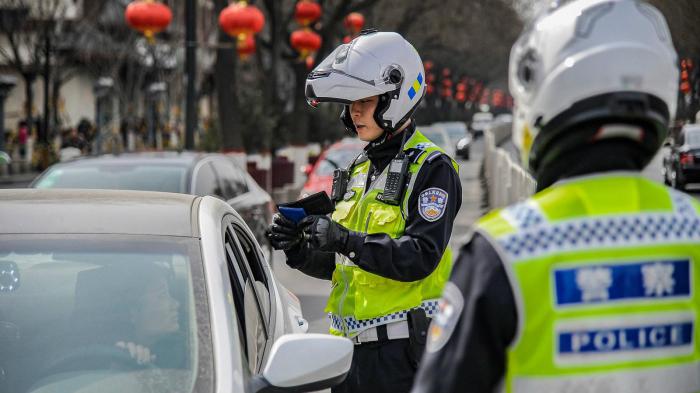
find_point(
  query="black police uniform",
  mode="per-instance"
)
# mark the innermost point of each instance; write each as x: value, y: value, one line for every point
x: 388, y: 365
x: 473, y: 359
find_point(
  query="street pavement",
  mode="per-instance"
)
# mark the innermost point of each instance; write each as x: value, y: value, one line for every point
x: 313, y: 293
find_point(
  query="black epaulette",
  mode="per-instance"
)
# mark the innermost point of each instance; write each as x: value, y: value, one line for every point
x: 433, y: 156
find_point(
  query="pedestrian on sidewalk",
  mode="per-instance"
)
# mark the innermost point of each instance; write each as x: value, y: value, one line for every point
x: 385, y: 247
x: 591, y: 285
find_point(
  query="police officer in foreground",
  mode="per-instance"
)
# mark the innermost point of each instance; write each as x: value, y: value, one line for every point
x: 385, y: 247
x: 591, y: 285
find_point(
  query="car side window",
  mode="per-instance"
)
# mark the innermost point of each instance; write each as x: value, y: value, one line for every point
x: 205, y: 181
x: 231, y: 179
x: 251, y: 299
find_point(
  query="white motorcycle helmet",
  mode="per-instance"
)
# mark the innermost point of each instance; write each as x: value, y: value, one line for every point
x: 592, y: 62
x: 375, y: 63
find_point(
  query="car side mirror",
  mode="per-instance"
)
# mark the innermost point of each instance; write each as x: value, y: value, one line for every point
x: 305, y: 362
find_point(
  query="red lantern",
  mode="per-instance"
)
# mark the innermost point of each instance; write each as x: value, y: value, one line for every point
x: 460, y: 96
x: 354, y: 22
x: 307, y: 12
x: 685, y: 87
x: 347, y: 39
x: 461, y: 86
x: 497, y: 98
x: 240, y: 20
x: 305, y: 41
x: 429, y: 89
x: 428, y: 65
x: 446, y: 72
x: 245, y: 47
x: 148, y: 16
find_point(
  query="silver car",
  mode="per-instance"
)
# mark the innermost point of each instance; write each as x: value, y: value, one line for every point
x: 115, y: 291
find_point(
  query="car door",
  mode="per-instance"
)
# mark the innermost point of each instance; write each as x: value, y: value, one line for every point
x: 252, y: 297
x: 248, y: 203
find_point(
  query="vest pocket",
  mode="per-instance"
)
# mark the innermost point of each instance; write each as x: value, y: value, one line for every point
x: 342, y: 210
x: 382, y: 219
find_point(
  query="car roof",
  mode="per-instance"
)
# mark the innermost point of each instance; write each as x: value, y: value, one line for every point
x: 27, y: 211
x: 185, y: 158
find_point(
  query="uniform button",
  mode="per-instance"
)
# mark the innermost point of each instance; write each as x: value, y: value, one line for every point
x: 352, y: 254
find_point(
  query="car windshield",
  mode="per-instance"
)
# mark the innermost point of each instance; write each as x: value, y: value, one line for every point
x: 336, y: 158
x: 126, y: 176
x: 692, y: 138
x: 84, y: 313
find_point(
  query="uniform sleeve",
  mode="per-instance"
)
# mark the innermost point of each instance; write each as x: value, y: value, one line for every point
x: 417, y: 253
x: 471, y: 356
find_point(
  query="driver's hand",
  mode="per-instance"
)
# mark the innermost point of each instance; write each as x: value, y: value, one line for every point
x: 140, y: 353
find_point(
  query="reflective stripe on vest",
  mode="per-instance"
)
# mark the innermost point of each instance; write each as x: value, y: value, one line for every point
x: 359, y: 299
x: 605, y: 271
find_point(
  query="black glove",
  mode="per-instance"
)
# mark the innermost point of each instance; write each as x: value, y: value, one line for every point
x: 283, y: 233
x: 324, y: 234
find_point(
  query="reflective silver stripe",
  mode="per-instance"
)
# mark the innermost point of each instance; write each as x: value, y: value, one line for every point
x: 341, y: 259
x: 357, y: 181
x: 670, y: 379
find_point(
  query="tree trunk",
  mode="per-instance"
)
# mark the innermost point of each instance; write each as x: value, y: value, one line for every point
x: 29, y: 79
x: 300, y: 128
x: 225, y: 84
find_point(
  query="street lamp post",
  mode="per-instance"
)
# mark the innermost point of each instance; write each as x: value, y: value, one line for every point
x: 101, y: 89
x: 7, y: 83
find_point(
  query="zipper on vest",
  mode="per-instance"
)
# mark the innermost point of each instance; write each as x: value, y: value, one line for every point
x: 369, y: 217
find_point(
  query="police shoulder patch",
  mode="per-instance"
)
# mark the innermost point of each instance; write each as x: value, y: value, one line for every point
x: 444, y: 322
x: 432, y: 203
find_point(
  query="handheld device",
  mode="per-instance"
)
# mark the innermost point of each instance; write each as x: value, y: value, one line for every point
x: 340, y: 184
x: 395, y: 180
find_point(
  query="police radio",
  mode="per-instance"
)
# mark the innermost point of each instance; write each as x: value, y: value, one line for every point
x: 340, y: 184
x: 396, y: 180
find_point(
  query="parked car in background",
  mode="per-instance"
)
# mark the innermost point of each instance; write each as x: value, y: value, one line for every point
x: 439, y: 136
x: 186, y: 173
x: 682, y: 164
x: 480, y: 122
x: 114, y: 291
x: 459, y: 136
x: 337, y: 155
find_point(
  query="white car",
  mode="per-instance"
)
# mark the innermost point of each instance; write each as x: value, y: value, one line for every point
x: 116, y: 291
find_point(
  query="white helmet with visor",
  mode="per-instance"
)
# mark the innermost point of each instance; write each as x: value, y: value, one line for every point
x: 375, y: 63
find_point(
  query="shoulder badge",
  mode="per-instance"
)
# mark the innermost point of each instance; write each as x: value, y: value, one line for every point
x: 444, y: 322
x: 432, y: 203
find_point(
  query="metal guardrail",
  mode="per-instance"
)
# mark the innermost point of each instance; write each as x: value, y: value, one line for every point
x: 506, y: 181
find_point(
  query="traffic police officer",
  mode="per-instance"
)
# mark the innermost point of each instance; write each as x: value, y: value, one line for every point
x: 591, y: 285
x: 385, y: 247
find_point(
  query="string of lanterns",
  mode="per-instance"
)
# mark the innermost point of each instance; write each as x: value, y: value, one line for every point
x: 304, y: 40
